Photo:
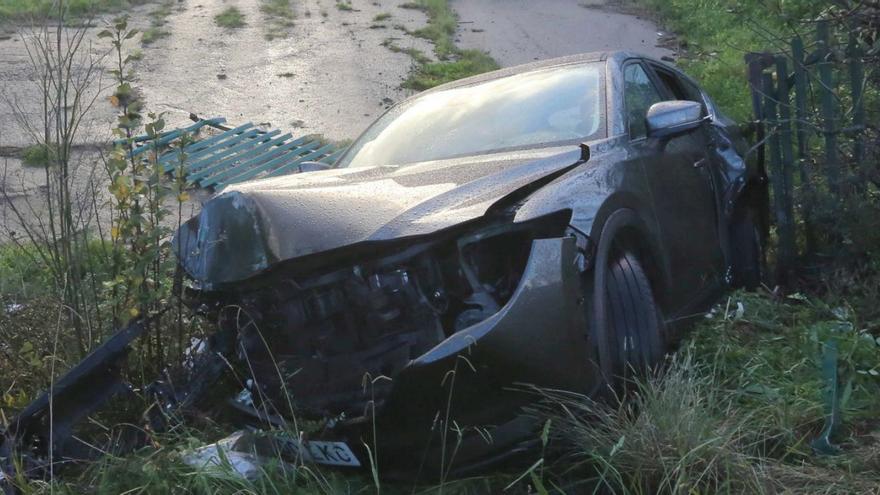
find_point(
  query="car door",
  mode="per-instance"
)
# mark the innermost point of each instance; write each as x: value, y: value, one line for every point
x: 680, y: 190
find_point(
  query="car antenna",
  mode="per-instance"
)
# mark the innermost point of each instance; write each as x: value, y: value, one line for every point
x: 585, y: 152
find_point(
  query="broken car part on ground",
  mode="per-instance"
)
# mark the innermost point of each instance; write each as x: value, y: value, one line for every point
x: 550, y: 225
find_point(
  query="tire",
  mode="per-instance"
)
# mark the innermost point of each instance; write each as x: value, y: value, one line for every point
x: 747, y: 252
x: 635, y: 329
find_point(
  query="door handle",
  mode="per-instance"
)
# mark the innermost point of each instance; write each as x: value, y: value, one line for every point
x: 701, y: 162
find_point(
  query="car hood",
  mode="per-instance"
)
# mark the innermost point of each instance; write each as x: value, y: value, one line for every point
x: 252, y: 225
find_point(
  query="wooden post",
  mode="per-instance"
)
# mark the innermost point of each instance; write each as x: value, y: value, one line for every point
x: 783, y: 131
x: 803, y: 136
x: 777, y: 181
x: 800, y: 97
x: 826, y: 91
x: 755, y: 67
x: 856, y: 80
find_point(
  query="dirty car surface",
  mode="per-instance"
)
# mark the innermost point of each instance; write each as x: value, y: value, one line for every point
x: 550, y: 225
x: 465, y: 246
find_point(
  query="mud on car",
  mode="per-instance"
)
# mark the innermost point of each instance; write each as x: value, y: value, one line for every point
x: 550, y: 225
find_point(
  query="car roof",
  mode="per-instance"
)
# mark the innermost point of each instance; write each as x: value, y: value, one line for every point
x: 581, y: 58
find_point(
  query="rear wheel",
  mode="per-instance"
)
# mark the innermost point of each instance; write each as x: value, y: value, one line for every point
x: 634, y: 326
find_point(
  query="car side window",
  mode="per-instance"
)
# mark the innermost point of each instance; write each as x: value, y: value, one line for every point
x: 639, y: 94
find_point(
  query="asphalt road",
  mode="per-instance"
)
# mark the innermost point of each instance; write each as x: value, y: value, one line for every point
x: 520, y: 31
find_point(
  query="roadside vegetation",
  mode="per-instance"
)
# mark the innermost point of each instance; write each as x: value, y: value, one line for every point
x: 231, y: 18
x: 279, y: 18
x: 715, y: 35
x: 453, y: 63
x: 158, y: 20
x: 741, y: 408
x: 35, y: 10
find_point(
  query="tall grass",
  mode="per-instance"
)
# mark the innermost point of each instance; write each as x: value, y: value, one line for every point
x: 716, y: 34
x: 23, y: 10
x: 734, y: 412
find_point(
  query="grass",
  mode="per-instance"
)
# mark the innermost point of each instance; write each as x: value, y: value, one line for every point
x: 466, y: 63
x: 384, y: 16
x: 230, y: 18
x: 25, y: 10
x: 279, y: 17
x: 733, y: 412
x: 454, y: 63
x: 736, y: 410
x: 153, y: 34
x: 158, y: 18
x: 717, y: 33
x: 344, y: 6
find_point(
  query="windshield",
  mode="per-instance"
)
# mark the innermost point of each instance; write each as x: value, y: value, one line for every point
x: 547, y: 106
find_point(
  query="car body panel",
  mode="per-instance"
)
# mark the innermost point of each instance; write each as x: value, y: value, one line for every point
x: 342, y: 207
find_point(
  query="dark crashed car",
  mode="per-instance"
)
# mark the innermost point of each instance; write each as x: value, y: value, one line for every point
x: 549, y: 225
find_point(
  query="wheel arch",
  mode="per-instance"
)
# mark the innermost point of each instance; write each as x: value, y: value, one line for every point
x: 622, y: 229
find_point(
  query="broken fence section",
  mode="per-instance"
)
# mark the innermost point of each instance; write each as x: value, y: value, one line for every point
x: 809, y: 105
x: 235, y: 154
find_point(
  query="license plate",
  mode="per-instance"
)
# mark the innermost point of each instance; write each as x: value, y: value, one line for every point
x: 328, y: 453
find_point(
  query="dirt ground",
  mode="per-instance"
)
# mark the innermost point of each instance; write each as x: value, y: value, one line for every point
x: 329, y: 74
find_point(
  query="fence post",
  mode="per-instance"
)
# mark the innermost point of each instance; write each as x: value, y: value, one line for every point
x: 755, y: 67
x: 800, y: 125
x: 788, y: 249
x: 777, y: 180
x: 856, y: 79
x: 826, y: 91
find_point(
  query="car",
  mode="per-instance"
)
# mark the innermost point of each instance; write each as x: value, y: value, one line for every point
x: 550, y: 226
x: 553, y: 225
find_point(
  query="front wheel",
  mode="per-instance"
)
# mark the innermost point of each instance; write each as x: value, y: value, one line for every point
x: 633, y: 325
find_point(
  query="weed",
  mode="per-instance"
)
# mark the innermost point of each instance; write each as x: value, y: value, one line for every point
x: 441, y: 27
x: 36, y: 10
x: 734, y: 411
x: 466, y: 63
x: 384, y: 16
x: 416, y: 54
x: 231, y: 18
x: 279, y: 17
x: 715, y: 36
x: 38, y: 155
x: 152, y: 34
x: 277, y: 8
x: 157, y: 20
x: 454, y: 63
x: 344, y: 6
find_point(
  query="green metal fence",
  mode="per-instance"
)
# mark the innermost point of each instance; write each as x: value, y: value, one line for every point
x: 808, y: 103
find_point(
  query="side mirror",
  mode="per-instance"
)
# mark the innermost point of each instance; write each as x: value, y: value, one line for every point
x: 671, y: 118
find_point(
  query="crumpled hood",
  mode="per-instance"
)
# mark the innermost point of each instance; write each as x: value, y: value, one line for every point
x: 252, y: 225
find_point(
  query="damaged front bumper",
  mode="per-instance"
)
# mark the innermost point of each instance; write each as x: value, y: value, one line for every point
x: 430, y: 365
x: 466, y: 394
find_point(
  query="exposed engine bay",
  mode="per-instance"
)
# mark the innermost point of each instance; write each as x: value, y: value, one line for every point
x: 323, y: 335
